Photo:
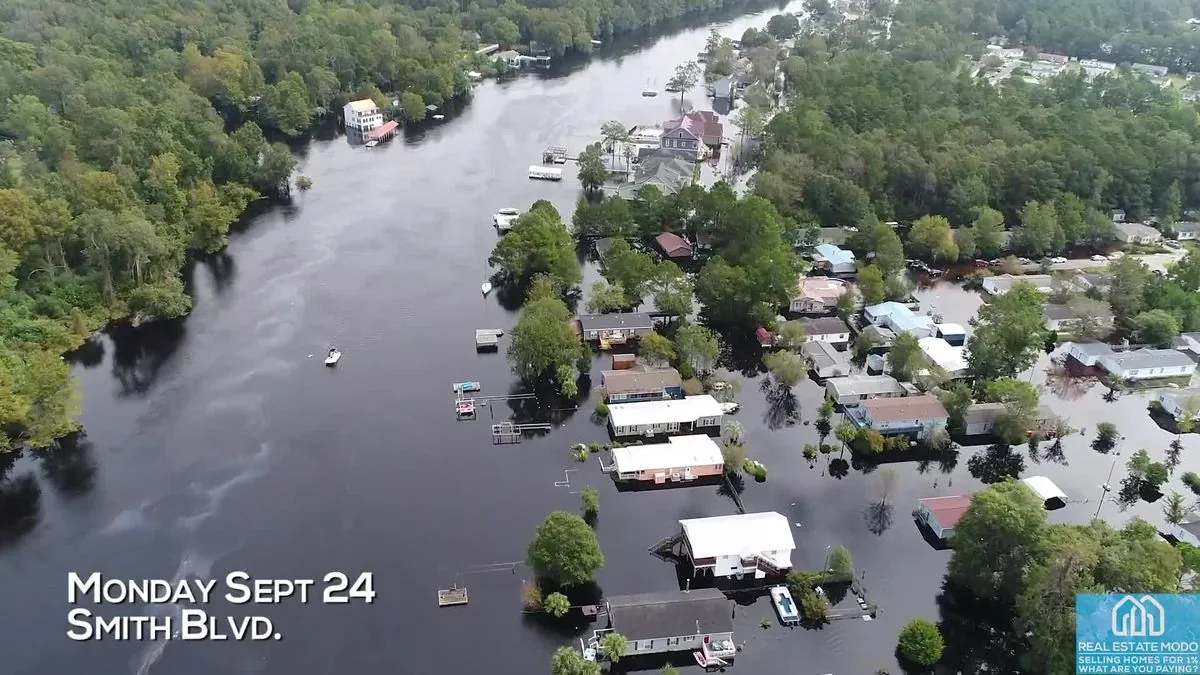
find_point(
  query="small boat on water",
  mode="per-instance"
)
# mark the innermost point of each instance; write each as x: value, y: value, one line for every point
x: 466, y: 386
x: 649, y: 91
x: 439, y: 117
x: 486, y: 287
x: 782, y: 599
x: 372, y: 143
x: 333, y: 357
x: 730, y: 408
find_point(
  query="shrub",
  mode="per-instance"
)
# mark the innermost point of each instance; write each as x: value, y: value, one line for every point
x: 531, y: 596
x: 813, y: 606
x: 810, y: 451
x: 841, y: 563
x: 590, y: 501
x: 686, y: 371
x: 921, y: 642
x: 602, y: 409
x: 579, y: 452
x: 765, y: 624
x: 1192, y: 480
x: 556, y: 605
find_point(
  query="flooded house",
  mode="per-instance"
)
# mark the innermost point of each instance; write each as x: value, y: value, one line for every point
x: 949, y: 359
x: 980, y: 418
x: 747, y: 544
x: 1147, y: 364
x: 1087, y: 353
x: 684, y: 138
x: 1176, y: 402
x: 1045, y: 489
x: 1187, y: 231
x: 700, y: 620
x: 916, y: 416
x: 1003, y: 283
x: 362, y: 116
x: 701, y: 414
x: 636, y: 384
x: 954, y: 334
x: 1188, y: 531
x: 826, y: 329
x: 825, y: 360
x: 674, y: 247
x: 854, y: 389
x: 817, y: 295
x: 941, y: 514
x: 1061, y: 317
x: 834, y: 260
x: 616, y: 327
x: 668, y: 174
x: 900, y: 319
x: 680, y: 459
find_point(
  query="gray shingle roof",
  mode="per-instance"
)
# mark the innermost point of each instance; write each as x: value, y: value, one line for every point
x: 1140, y: 359
x: 626, y: 381
x: 823, y: 354
x: 671, y: 614
x: 617, y: 320
x: 826, y: 325
x: 864, y: 385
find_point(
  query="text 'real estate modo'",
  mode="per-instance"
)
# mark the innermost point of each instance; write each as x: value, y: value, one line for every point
x: 160, y: 609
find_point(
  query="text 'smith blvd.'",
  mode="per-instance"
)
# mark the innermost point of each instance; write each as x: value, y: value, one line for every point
x: 161, y: 609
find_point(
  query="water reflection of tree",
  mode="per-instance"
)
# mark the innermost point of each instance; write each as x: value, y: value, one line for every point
x: 879, y: 516
x: 996, y: 463
x: 839, y: 468
x: 978, y: 635
x: 20, y: 502
x: 782, y: 407
x: 69, y: 466
x: 1066, y: 383
x: 140, y: 352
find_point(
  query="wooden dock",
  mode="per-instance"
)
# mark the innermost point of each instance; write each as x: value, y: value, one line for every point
x: 448, y: 597
x: 512, y: 433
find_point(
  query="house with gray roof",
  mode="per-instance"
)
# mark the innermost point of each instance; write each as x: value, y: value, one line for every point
x: 623, y: 324
x: 1137, y: 233
x: 826, y: 360
x: 638, y: 384
x: 1060, y: 317
x: 1088, y: 353
x: 980, y: 418
x: 723, y: 90
x: 1188, y: 342
x: 826, y: 329
x: 667, y: 173
x: 1003, y: 283
x: 854, y: 388
x: 671, y: 621
x: 1147, y: 364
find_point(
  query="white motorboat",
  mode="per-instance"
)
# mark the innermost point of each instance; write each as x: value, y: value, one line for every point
x: 333, y: 357
x: 504, y: 218
x: 730, y: 408
x: 486, y: 287
x: 372, y: 143
x: 439, y: 117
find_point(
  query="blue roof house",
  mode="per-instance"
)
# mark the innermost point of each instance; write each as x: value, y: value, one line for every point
x: 900, y: 319
x: 837, y: 261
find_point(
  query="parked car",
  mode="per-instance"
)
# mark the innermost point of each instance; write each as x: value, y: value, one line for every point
x: 1115, y: 254
x: 1099, y: 258
x: 1024, y: 261
x: 1172, y: 244
x: 1058, y: 260
x: 981, y: 263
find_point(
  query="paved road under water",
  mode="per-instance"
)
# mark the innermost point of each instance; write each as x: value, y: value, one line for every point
x: 222, y: 444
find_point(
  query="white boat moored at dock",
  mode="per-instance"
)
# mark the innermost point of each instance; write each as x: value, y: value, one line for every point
x: 782, y: 599
x: 504, y: 218
x: 545, y: 173
x: 486, y: 287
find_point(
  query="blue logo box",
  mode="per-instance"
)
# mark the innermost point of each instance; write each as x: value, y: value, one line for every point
x: 1118, y: 634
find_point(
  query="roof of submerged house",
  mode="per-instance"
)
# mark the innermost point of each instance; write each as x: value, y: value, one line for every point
x: 864, y: 385
x: 835, y: 255
x: 673, y: 245
x: 920, y: 407
x: 631, y: 380
x: 671, y: 613
x: 947, y: 510
x: 738, y: 534
x: 1141, y: 359
x: 826, y: 325
x: 616, y: 320
x: 678, y: 451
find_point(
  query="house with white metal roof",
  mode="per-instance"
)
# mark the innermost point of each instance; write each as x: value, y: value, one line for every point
x: 1088, y: 353
x: 1047, y: 491
x: 1003, y: 283
x: 1137, y: 233
x: 837, y: 261
x: 900, y: 319
x: 1147, y: 364
x: 951, y: 360
x: 854, y: 388
x: 755, y: 544
x: 954, y: 334
x: 651, y: 418
x: 681, y: 458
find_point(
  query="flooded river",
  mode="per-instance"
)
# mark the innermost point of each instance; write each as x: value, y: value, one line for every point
x: 222, y: 444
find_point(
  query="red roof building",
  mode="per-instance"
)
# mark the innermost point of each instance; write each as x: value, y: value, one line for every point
x: 385, y: 131
x: 674, y: 246
x: 941, y: 514
x: 711, y: 131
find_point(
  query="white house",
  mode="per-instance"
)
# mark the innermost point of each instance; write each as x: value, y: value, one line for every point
x: 954, y: 334
x: 1137, y: 233
x: 951, y: 360
x: 1047, y: 491
x: 837, y: 261
x: 755, y: 544
x: 854, y: 388
x: 981, y: 418
x: 1147, y: 364
x: 681, y: 458
x: 1063, y: 317
x: 1088, y: 353
x: 1189, y: 530
x: 1187, y: 231
x: 699, y: 620
x: 362, y: 116
x: 651, y: 418
x: 826, y: 329
x: 1176, y: 401
x: 911, y: 415
x: 1003, y: 283
x: 826, y: 360
x: 900, y: 319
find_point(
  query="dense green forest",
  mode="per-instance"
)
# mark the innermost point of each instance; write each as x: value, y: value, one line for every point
x: 1154, y: 32
x: 133, y: 134
x: 874, y: 135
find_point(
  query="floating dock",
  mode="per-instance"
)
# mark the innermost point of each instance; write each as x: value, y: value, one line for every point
x: 488, y: 338
x: 554, y: 154
x: 545, y: 173
x: 448, y: 597
x: 512, y: 433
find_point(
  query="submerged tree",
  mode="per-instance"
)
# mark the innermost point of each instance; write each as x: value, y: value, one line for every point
x: 564, y: 550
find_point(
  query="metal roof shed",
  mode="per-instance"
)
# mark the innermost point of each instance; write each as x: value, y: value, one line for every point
x: 1045, y: 489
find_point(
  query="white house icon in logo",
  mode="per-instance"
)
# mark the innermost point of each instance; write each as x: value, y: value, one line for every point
x: 1138, y: 617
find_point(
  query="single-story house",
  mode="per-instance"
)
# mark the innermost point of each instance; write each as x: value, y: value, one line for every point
x: 669, y: 174
x: 630, y: 385
x: 1088, y: 353
x: 1137, y: 233
x: 826, y: 329
x: 650, y: 418
x: 1188, y: 342
x: 954, y: 334
x: 836, y: 261
x: 1188, y: 531
x: 723, y: 90
x: 817, y: 295
x: 1003, y: 283
x: 674, y: 246
x: 1118, y: 215
x: 909, y: 415
x: 1147, y: 364
x: 854, y: 388
x: 681, y: 458
x: 941, y: 514
x: 1047, y: 491
x: 1187, y: 230
x: 1090, y: 280
x: 826, y: 360
x: 882, y: 338
x: 757, y: 544
x: 1060, y: 317
x: 618, y: 324
x: 671, y: 621
x: 900, y: 319
x: 1177, y: 401
x: 980, y: 418
x: 951, y: 360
